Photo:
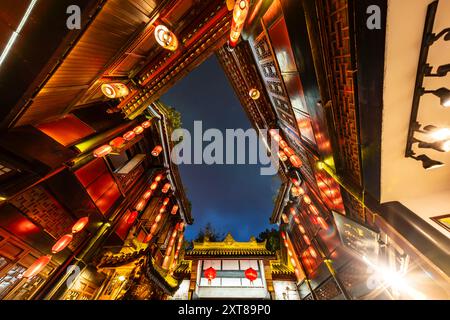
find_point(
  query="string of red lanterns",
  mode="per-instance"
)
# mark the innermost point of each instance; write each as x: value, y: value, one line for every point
x: 170, y: 247
x: 60, y: 245
x: 292, y: 256
x: 286, y: 152
x: 117, y: 142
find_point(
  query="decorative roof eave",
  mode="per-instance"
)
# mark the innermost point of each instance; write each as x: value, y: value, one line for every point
x: 279, y: 202
x: 165, y: 281
x: 229, y: 253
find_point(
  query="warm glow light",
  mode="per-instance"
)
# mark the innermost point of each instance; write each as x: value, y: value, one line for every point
x: 295, y: 161
x: 115, y: 90
x: 102, y: 151
x: 306, y: 238
x: 147, y: 194
x: 395, y: 280
x: 166, y: 201
x: 158, y: 178
x: 62, y: 243
x: 37, y: 266
x: 129, y: 135
x: 80, y: 224
x: 156, y: 151
x: 240, y: 13
x: 254, y: 94
x: 146, y: 124
x: 166, y: 38
x: 117, y: 142
x: 282, y: 156
x: 307, y: 199
x: 288, y: 151
x: 174, y: 209
x: 132, y: 217
x: 140, y: 205
x: 283, y: 144
x: 302, y: 230
x: 153, y: 186
x: 166, y: 188
x: 121, y: 278
x: 138, y: 130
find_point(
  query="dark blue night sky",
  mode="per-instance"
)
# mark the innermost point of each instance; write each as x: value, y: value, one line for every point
x: 234, y: 198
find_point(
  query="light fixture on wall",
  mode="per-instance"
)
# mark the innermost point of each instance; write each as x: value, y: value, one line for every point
x: 439, y: 138
x: 443, y: 94
x: 166, y: 38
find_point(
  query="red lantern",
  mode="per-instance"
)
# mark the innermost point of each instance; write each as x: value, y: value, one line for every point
x: 251, y: 274
x: 210, y: 274
x: 158, y: 218
x: 37, y: 266
x: 154, y: 185
x: 302, y: 230
x: 102, y: 151
x: 295, y: 182
x: 322, y: 223
x: 147, y: 194
x: 306, y: 238
x: 153, y: 228
x: 162, y: 209
x: 283, y: 235
x: 117, y: 142
x: 312, y: 252
x: 295, y: 191
x: 307, y: 199
x: 289, y: 152
x: 314, y: 209
x: 156, y: 151
x: 158, y: 178
x: 295, y: 161
x: 62, y: 243
x: 129, y: 135
x: 282, y: 156
x: 148, y: 237
x: 132, y: 217
x: 146, y: 124
x: 80, y: 224
x: 283, y: 144
x: 138, y: 130
x: 174, y: 209
x: 166, y: 201
x: 140, y: 205
x: 166, y: 188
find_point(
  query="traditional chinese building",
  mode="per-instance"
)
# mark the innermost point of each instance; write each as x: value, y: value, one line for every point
x: 91, y: 207
x: 235, y: 270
